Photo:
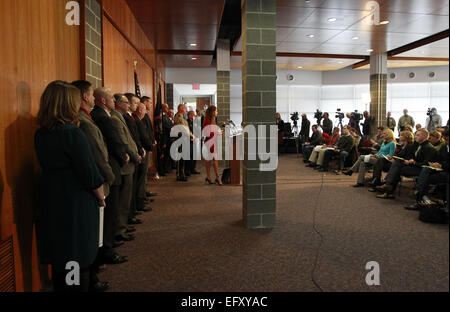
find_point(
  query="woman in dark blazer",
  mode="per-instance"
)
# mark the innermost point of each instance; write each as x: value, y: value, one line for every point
x: 71, y: 188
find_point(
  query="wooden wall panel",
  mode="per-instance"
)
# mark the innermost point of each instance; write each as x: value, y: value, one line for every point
x: 37, y: 48
x: 118, y: 66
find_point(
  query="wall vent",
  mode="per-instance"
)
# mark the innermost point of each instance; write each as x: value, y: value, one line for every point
x: 7, y: 276
x: 431, y: 74
x: 392, y: 75
x: 412, y: 75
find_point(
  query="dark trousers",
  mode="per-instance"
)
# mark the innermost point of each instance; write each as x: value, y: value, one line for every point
x: 329, y: 154
x: 167, y: 158
x: 87, y: 278
x: 181, y: 167
x: 126, y: 192
x: 428, y: 177
x: 380, y: 166
x: 307, y: 150
x: 134, y: 189
x: 109, y: 222
x: 191, y: 163
x: 140, y: 185
x: 160, y: 161
x: 399, y: 169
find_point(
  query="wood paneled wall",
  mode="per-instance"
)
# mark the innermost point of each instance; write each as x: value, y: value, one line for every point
x: 37, y: 47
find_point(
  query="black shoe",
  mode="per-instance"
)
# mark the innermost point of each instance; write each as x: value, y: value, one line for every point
x: 317, y: 167
x: 99, y: 287
x: 182, y: 179
x: 336, y: 172
x: 145, y: 209
x: 137, y: 212
x: 150, y: 194
x: 413, y: 207
x: 148, y: 200
x: 195, y: 172
x: 118, y: 243
x: 208, y: 181
x: 130, y: 230
x: 115, y: 259
x: 125, y: 237
x: 323, y: 170
x: 312, y: 165
x: 372, y: 190
x: 162, y: 174
x: 358, y: 185
x: 347, y: 172
x: 134, y: 221
x: 187, y: 174
x: 305, y: 160
x: 374, y: 183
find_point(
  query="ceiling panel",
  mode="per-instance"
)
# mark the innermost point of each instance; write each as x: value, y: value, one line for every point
x: 320, y: 35
x: 187, y: 61
x: 344, y: 18
x: 415, y: 6
x: 401, y: 63
x: 436, y: 49
x: 296, y: 47
x: 292, y: 16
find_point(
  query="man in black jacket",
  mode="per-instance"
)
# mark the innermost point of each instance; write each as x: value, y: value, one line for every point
x: 148, y: 124
x: 327, y: 124
x: 423, y: 156
x: 316, y: 139
x: 190, y: 167
x: 366, y: 125
x: 304, y: 131
x: 343, y: 148
x: 167, y: 125
x: 430, y: 176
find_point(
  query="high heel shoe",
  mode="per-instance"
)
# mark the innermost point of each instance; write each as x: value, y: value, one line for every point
x: 217, y: 182
x: 208, y: 180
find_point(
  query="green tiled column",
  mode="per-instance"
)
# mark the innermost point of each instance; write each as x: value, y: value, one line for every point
x: 223, y: 87
x: 378, y: 90
x: 258, y: 106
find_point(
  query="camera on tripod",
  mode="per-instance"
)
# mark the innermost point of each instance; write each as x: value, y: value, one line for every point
x: 357, y: 116
x: 319, y: 116
x: 295, y: 118
x: 339, y: 114
x: 430, y: 112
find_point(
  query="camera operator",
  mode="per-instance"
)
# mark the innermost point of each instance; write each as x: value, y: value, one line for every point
x: 327, y: 124
x: 368, y: 120
x: 434, y: 119
x: 354, y: 119
x: 405, y: 120
x: 390, y: 121
x: 304, y: 131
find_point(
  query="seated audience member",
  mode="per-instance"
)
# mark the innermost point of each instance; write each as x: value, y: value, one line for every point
x: 418, y: 127
x: 410, y: 128
x: 387, y: 149
x: 436, y: 140
x: 316, y: 139
x: 437, y: 174
x: 406, y: 151
x: 379, y: 139
x: 423, y: 155
x: 342, y: 148
x: 316, y: 158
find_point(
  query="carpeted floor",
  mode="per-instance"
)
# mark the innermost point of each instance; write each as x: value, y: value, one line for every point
x: 194, y: 239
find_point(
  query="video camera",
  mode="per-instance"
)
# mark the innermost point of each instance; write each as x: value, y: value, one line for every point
x: 357, y: 116
x: 319, y: 116
x: 294, y: 118
x: 430, y: 112
x: 339, y: 114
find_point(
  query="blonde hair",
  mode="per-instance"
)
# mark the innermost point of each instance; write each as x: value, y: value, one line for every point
x: 59, y: 105
x: 436, y: 134
x: 408, y: 135
x: 424, y: 131
x: 389, y: 135
x: 409, y: 128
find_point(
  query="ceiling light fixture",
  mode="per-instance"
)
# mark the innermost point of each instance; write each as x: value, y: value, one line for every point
x: 340, y: 62
x: 355, y: 38
x: 332, y: 19
x: 193, y: 44
x: 194, y: 58
x: 310, y: 36
x: 300, y: 67
x: 384, y: 22
x: 369, y: 50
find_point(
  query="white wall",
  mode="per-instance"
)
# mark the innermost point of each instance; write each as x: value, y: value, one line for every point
x: 346, y: 89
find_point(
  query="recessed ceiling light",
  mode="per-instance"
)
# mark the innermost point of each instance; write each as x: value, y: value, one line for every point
x: 340, y: 62
x: 332, y: 19
x: 384, y: 22
x: 355, y: 38
x: 300, y: 67
x: 310, y: 36
x: 194, y: 58
x: 369, y: 50
x: 193, y: 44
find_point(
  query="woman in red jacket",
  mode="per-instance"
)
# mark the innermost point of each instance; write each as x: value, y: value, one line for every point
x: 210, y: 142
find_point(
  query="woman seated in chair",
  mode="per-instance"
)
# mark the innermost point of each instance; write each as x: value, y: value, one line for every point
x: 387, y: 149
x: 406, y: 150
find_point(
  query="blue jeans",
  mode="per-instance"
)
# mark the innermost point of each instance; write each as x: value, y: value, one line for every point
x: 342, y: 157
x: 307, y: 150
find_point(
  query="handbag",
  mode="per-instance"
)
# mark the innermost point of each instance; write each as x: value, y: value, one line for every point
x: 433, y: 213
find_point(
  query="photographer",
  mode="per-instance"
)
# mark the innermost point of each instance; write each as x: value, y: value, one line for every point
x: 354, y: 119
x: 304, y: 131
x: 327, y: 125
x: 367, y: 124
x: 434, y: 119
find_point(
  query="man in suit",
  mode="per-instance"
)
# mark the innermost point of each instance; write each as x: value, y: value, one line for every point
x: 147, y: 122
x: 99, y: 149
x: 141, y: 139
x: 425, y: 153
x: 180, y: 121
x: 316, y: 139
x: 190, y: 167
x: 167, y: 125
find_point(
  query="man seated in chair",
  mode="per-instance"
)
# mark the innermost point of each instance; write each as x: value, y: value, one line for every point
x: 424, y: 154
x: 437, y: 174
x: 316, y: 139
x: 318, y: 153
x: 342, y: 148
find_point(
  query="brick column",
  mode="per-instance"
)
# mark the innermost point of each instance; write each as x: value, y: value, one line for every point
x: 378, y: 89
x: 223, y: 87
x: 93, y: 43
x: 258, y: 107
